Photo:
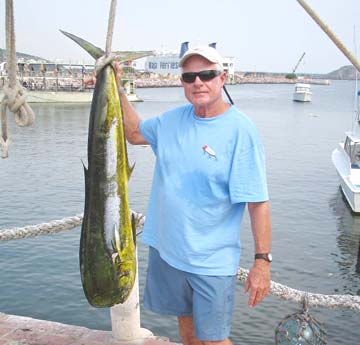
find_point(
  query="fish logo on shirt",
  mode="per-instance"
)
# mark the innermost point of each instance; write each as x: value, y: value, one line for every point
x: 209, y: 151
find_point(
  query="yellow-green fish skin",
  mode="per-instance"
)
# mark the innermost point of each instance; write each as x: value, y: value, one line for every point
x: 107, y: 244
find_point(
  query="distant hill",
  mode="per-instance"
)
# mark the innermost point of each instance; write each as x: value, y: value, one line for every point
x: 343, y: 73
x: 21, y: 56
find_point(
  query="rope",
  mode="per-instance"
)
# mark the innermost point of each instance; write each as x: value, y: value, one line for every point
x: 14, y: 97
x: 315, y: 300
x: 53, y: 227
x: 102, y: 61
x: 41, y: 229
x: 108, y: 57
x: 110, y: 31
x: 276, y: 289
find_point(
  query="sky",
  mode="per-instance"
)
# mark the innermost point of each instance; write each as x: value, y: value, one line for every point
x: 262, y: 35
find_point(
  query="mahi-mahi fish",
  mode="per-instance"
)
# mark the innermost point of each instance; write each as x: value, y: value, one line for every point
x: 108, y: 237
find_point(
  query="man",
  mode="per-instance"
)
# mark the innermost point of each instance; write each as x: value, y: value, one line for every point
x: 209, y: 165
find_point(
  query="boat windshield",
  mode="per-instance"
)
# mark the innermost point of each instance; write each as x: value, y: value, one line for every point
x: 352, y: 148
x: 302, y: 88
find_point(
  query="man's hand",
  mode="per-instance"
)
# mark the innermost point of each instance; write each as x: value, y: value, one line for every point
x: 90, y: 81
x: 258, y: 282
x: 118, y: 73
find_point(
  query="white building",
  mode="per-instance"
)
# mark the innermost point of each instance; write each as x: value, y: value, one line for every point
x: 163, y: 63
x: 168, y: 64
x: 229, y: 67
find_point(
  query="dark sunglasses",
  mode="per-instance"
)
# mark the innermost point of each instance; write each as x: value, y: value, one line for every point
x: 189, y: 77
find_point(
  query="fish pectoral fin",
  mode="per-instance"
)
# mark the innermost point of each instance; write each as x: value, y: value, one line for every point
x: 129, y: 171
x: 117, y: 239
x: 114, y: 256
x: 87, y: 182
x: 85, y: 169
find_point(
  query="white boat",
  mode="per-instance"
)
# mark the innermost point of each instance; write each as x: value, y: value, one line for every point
x: 346, y: 158
x: 45, y: 82
x: 302, y: 92
x: 65, y: 96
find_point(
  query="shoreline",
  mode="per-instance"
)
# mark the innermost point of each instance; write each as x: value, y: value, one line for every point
x: 175, y: 82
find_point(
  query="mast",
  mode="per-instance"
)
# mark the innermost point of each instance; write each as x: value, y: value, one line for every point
x: 331, y: 35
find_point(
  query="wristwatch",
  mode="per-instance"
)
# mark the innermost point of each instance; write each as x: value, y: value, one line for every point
x: 264, y: 256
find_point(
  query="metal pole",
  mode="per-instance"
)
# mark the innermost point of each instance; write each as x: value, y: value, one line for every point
x: 228, y: 95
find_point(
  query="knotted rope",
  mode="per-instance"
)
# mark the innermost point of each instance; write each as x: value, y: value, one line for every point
x: 276, y: 289
x: 53, y: 227
x: 315, y: 300
x: 14, y: 97
x: 110, y: 31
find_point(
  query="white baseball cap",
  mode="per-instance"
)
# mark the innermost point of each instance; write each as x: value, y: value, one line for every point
x: 209, y: 53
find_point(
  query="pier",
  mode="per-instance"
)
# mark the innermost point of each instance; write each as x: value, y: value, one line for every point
x: 19, y: 330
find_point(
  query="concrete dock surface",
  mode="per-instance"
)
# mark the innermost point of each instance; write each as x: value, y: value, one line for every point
x: 19, y: 330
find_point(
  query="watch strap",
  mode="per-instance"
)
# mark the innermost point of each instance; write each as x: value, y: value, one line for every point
x: 264, y: 256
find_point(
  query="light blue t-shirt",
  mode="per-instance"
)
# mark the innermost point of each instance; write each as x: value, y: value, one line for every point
x: 206, y: 170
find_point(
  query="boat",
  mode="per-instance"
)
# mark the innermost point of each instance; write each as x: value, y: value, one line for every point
x: 346, y: 158
x: 47, y: 82
x: 302, y: 92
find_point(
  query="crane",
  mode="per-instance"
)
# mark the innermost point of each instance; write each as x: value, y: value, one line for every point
x: 298, y: 63
x: 292, y: 75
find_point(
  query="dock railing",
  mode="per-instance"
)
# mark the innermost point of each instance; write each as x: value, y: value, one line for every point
x: 125, y: 318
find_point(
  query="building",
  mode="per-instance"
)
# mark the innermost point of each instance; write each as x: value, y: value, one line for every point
x: 229, y: 67
x: 167, y: 64
x: 163, y: 64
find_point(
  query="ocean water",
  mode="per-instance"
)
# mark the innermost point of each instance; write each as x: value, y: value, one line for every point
x: 315, y: 235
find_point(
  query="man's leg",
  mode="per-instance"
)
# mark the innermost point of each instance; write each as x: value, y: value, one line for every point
x: 186, y: 330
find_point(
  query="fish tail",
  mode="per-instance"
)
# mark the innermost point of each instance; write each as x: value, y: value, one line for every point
x: 94, y: 51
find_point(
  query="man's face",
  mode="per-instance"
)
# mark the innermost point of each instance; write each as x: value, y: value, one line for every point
x: 202, y: 93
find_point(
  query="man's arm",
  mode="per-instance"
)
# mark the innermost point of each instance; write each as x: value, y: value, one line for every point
x: 131, y: 118
x: 258, y: 280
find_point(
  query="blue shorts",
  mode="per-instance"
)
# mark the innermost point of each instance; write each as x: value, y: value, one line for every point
x: 209, y: 300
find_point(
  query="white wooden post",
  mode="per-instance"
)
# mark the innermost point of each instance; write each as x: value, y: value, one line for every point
x: 125, y: 318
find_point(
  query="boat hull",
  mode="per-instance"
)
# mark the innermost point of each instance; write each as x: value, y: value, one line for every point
x: 350, y: 190
x: 65, y: 97
x: 302, y: 96
x: 302, y: 92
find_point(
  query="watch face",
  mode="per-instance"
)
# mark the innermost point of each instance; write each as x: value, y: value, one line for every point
x: 269, y: 257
